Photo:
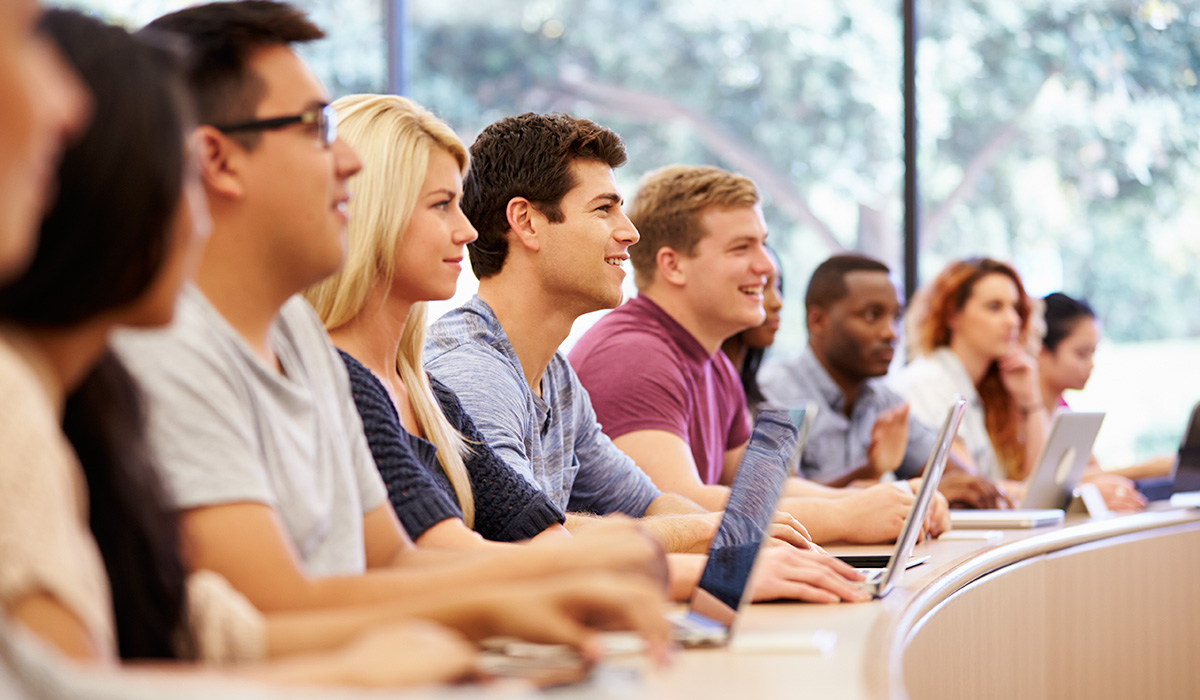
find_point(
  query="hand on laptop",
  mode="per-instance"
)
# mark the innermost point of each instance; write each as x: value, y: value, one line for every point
x: 966, y: 490
x: 937, y: 520
x: 877, y: 512
x: 572, y: 609
x: 1119, y: 493
x: 814, y: 577
x: 785, y: 529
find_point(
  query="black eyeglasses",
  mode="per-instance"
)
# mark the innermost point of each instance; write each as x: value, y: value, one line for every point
x: 323, y: 117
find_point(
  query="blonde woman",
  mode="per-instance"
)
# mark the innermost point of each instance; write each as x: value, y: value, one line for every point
x: 406, y: 239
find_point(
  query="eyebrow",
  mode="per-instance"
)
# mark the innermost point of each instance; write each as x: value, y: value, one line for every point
x: 612, y: 197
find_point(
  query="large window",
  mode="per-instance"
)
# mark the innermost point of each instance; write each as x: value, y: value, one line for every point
x: 1059, y: 134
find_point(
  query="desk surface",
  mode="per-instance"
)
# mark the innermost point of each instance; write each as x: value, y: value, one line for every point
x: 866, y: 659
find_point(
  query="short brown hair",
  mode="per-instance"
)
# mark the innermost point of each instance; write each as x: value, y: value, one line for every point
x: 667, y: 207
x: 527, y: 156
x: 221, y: 36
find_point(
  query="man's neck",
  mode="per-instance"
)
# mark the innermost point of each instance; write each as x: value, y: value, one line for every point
x: 848, y: 385
x: 535, y: 323
x: 243, y: 292
x: 693, y: 321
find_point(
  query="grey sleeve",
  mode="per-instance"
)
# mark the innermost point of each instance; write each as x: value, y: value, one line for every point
x: 200, y: 420
x: 492, y: 397
x: 608, y: 481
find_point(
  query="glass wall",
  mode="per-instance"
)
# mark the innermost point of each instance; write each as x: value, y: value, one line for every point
x: 1059, y: 134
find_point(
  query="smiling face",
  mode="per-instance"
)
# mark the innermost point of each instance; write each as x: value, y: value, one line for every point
x: 296, y: 189
x: 762, y: 336
x: 582, y: 258
x: 989, y: 324
x: 855, y: 337
x: 430, y: 254
x: 725, y: 278
x: 1070, y: 364
x: 43, y: 104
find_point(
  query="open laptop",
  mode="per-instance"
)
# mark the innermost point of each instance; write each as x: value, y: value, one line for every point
x: 753, y: 497
x: 880, y: 581
x: 1058, y: 471
x: 1184, y: 477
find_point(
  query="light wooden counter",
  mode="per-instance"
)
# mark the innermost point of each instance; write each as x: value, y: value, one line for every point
x: 1092, y: 609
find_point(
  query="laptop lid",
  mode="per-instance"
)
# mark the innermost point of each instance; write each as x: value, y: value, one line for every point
x: 1063, y: 460
x: 934, y: 466
x: 752, y: 501
x: 1187, y: 463
x: 802, y: 416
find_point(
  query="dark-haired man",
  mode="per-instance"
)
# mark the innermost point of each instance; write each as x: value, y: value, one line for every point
x: 552, y: 241
x: 251, y: 419
x: 863, y: 429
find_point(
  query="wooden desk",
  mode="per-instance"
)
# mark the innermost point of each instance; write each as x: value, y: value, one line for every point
x: 1092, y: 609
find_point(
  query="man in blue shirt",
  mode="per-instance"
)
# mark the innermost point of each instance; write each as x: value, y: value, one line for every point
x: 863, y: 429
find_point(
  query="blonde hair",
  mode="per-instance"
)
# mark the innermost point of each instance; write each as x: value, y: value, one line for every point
x: 668, y: 205
x: 396, y: 137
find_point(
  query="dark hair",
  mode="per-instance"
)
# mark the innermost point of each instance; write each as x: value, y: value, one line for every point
x: 828, y: 283
x: 528, y: 156
x: 221, y: 37
x: 1062, y: 313
x: 101, y: 248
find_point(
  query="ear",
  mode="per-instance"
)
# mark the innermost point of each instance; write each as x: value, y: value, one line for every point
x: 220, y: 163
x: 523, y: 219
x: 817, y: 320
x: 670, y: 266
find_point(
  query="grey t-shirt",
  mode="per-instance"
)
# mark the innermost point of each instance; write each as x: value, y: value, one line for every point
x: 227, y: 428
x: 553, y: 440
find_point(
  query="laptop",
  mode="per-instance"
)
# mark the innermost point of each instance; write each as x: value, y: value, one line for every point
x: 1184, y: 477
x: 802, y: 415
x: 723, y: 588
x: 879, y: 581
x: 1058, y: 471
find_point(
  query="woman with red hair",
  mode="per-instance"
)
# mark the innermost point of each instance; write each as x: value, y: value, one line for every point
x: 970, y: 327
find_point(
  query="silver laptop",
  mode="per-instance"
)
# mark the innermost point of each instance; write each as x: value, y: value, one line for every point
x: 880, y: 581
x: 1058, y: 471
x: 753, y: 497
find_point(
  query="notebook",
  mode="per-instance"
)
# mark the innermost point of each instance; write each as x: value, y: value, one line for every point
x: 880, y: 581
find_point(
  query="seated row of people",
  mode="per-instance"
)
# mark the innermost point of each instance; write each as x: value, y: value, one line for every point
x: 276, y: 495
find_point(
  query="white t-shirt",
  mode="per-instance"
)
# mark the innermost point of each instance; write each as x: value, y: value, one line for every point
x: 929, y: 384
x: 227, y: 428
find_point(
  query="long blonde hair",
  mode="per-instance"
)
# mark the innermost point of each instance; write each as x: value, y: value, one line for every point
x: 396, y: 137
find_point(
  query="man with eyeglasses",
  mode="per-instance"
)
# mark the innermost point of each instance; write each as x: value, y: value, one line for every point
x: 250, y: 415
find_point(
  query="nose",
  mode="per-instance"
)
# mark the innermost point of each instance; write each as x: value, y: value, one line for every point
x: 345, y: 159
x: 891, y: 329
x: 66, y: 101
x: 626, y: 232
x: 762, y: 264
x: 464, y: 232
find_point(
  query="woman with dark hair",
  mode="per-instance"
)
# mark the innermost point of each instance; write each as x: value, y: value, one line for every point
x: 747, y: 349
x: 970, y: 326
x: 114, y: 251
x: 1065, y: 362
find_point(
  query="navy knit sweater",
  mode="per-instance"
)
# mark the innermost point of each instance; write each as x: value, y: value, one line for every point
x: 507, y: 507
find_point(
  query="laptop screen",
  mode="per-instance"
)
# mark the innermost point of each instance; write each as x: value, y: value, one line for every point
x: 932, y: 475
x: 752, y: 501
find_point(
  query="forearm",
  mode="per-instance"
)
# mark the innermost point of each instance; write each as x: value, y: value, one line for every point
x: 804, y: 488
x: 684, y: 572
x: 847, y: 477
x: 452, y: 533
x: 683, y: 533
